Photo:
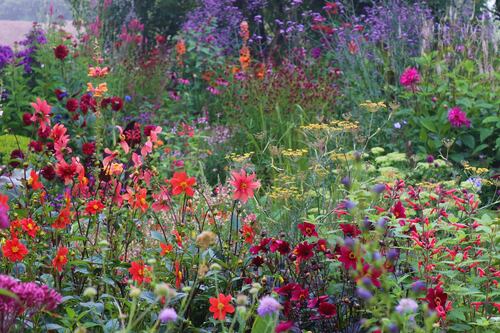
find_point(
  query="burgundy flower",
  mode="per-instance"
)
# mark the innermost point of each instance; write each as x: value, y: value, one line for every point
x: 436, y: 297
x: 116, y: 103
x: 88, y: 148
x: 43, y: 133
x: 61, y: 52
x: 257, y: 261
x: 48, y: 172
x: 300, y: 295
x: 72, y: 104
x: 27, y: 119
x: 16, y: 157
x: 284, y: 326
x: 36, y: 146
x: 327, y: 310
x: 350, y: 230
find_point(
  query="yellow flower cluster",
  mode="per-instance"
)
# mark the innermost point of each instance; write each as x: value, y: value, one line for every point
x: 344, y: 125
x: 373, y: 106
x: 474, y: 170
x: 342, y: 156
x: 315, y: 127
x: 284, y: 193
x: 239, y: 158
x: 294, y: 153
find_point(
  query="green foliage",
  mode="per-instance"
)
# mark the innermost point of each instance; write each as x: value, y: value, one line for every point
x: 8, y: 143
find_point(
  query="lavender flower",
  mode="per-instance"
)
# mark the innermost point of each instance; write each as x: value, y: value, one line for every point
x: 167, y: 315
x: 268, y: 305
x: 406, y: 305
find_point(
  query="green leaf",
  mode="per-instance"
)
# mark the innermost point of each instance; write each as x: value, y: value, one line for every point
x: 460, y: 328
x: 485, y: 133
x: 264, y: 324
x: 469, y: 141
x: 429, y: 124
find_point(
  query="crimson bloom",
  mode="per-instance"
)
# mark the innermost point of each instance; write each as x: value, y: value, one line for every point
x: 308, y: 229
x: 244, y: 185
x: 72, y: 104
x: 436, y: 297
x: 140, y: 272
x: 348, y: 257
x: 399, y: 210
x: 61, y: 52
x: 350, y: 230
x: 94, y: 207
x: 33, y: 181
x: 304, y: 251
x: 61, y: 259
x: 220, y: 306
x: 181, y: 183
x: 14, y: 250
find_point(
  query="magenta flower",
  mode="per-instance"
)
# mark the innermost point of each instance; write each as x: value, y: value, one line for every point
x: 458, y: 118
x: 410, y: 77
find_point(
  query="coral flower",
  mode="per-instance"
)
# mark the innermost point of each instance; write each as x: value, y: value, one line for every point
x: 244, y: 185
x: 30, y: 227
x: 94, y: 207
x: 181, y: 183
x: 308, y: 229
x: 14, y: 250
x: 41, y: 114
x: 221, y: 306
x: 61, y: 259
x: 140, y: 272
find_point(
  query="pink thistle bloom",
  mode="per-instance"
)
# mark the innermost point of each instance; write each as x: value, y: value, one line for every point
x: 410, y: 77
x: 458, y: 118
x: 244, y: 185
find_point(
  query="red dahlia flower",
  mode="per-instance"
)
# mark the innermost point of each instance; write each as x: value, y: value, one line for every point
x: 61, y: 52
x: 220, y: 306
x: 140, y: 272
x: 61, y: 259
x: 308, y: 229
x: 181, y: 183
x: 14, y: 250
x: 304, y: 251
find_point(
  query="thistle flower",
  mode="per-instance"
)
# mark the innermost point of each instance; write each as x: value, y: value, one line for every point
x: 268, y: 305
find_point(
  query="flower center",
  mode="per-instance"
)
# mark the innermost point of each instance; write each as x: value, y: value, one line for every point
x: 15, y: 249
x: 184, y: 185
x: 352, y: 256
x: 220, y: 306
x: 96, y: 206
x: 244, y: 186
x: 437, y: 300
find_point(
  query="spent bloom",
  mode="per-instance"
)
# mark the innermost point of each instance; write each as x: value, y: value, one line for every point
x: 268, y: 305
x: 458, y: 118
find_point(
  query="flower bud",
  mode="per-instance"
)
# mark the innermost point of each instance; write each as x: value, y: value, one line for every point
x: 90, y: 292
